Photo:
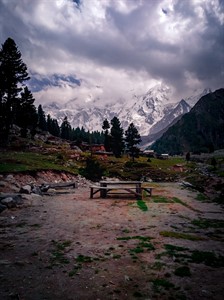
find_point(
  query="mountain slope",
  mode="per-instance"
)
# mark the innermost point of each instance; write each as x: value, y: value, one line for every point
x: 150, y: 112
x: 202, y: 129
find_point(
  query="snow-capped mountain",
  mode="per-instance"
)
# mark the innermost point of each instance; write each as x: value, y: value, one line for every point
x: 197, y: 94
x: 150, y: 112
x: 171, y: 113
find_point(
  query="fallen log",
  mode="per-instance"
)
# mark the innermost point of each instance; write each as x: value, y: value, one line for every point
x: 45, y: 186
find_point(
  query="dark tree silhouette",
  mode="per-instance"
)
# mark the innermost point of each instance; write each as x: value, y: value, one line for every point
x: 13, y: 73
x: 132, y: 138
x: 106, y: 127
x: 42, y: 123
x: 66, y: 129
x: 117, y: 140
x: 52, y: 126
x: 26, y: 115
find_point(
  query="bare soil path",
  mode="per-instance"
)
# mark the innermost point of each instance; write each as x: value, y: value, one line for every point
x: 69, y: 247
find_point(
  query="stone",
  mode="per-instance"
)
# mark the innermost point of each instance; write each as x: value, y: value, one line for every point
x: 2, y: 207
x: 9, y: 202
x: 2, y: 183
x: 26, y: 189
x: 36, y: 190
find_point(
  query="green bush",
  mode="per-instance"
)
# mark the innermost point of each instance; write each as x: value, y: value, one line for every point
x: 93, y: 170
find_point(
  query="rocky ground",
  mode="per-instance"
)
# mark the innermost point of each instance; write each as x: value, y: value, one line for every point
x: 63, y: 245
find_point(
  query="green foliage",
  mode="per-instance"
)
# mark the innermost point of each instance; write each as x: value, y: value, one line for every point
x: 58, y: 255
x: 52, y: 126
x: 42, y: 123
x: 117, y: 140
x: 84, y: 259
x: 28, y: 161
x: 161, y: 282
x: 183, y: 271
x: 207, y: 258
x: 179, y: 235
x: 107, y: 138
x: 201, y: 197
x: 26, y: 115
x: 93, y: 170
x: 132, y: 138
x: 142, y: 205
x: 66, y: 129
x: 161, y: 199
x: 13, y: 73
x: 208, y: 223
x: 200, y: 130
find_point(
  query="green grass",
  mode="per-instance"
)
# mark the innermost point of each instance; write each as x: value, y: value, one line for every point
x: 171, y: 249
x: 142, y: 205
x: 29, y: 161
x: 142, y: 246
x: 84, y: 259
x: 136, y: 237
x: 183, y: 271
x: 179, y: 235
x: 177, y: 200
x: 58, y: 255
x: 208, y: 223
x: 161, y: 282
x: 207, y: 258
x: 161, y: 199
x: 201, y: 197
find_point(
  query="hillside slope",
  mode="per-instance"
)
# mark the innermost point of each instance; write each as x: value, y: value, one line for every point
x: 200, y: 130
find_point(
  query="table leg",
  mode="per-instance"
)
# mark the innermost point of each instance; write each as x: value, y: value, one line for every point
x: 103, y: 192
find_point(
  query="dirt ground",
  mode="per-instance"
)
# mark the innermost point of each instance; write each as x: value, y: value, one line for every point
x: 66, y: 246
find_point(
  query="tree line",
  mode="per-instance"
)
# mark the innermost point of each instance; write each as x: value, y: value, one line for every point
x: 17, y: 107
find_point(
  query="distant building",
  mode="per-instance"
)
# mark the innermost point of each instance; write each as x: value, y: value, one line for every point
x: 148, y: 153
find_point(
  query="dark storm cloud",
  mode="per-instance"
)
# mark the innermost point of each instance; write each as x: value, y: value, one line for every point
x: 180, y: 43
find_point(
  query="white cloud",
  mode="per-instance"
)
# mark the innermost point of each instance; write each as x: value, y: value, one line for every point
x: 119, y: 46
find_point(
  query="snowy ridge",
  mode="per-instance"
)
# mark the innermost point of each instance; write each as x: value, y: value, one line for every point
x: 150, y: 112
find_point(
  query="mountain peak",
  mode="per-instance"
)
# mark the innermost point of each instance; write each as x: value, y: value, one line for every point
x: 150, y: 112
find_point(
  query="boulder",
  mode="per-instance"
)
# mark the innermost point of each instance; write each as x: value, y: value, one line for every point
x: 26, y: 189
x: 9, y: 202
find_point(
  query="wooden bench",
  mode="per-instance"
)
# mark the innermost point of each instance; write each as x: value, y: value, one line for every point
x: 45, y: 186
x: 104, y: 190
x: 94, y: 189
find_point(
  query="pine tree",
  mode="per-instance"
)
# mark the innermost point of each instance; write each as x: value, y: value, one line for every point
x: 42, y: 123
x: 106, y: 127
x: 117, y: 140
x: 52, y: 126
x: 132, y: 138
x: 26, y: 115
x: 13, y: 73
x: 66, y: 129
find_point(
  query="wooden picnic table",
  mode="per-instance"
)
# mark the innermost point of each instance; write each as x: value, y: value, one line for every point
x: 119, y: 187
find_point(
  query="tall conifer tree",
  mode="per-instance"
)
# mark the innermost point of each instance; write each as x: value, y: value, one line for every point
x: 132, y: 138
x: 117, y: 139
x: 26, y: 114
x: 13, y: 73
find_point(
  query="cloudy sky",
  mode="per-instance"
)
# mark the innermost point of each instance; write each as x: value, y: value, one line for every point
x: 110, y: 49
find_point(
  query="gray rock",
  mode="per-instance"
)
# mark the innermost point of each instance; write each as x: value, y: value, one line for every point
x: 36, y: 190
x: 9, y: 202
x: 26, y: 189
x: 2, y: 183
x: 9, y: 177
x: 2, y: 207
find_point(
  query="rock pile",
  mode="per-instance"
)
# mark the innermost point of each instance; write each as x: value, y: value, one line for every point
x: 16, y: 188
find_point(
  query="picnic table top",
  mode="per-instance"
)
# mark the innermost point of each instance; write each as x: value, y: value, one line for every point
x: 119, y: 182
